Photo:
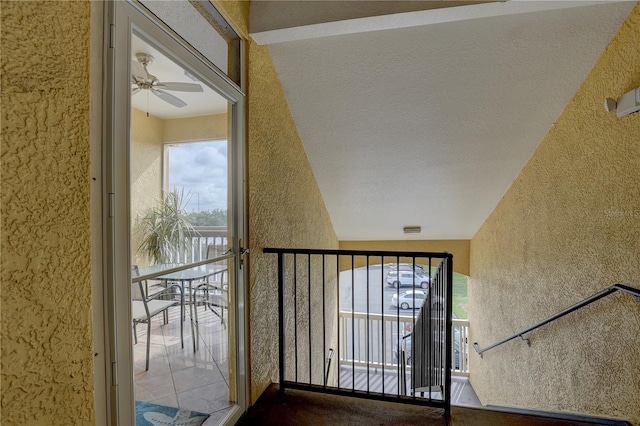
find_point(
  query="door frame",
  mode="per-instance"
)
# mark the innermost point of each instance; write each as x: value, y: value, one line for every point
x: 120, y: 19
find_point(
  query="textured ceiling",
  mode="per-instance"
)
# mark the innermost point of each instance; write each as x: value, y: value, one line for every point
x: 425, y: 118
x: 267, y: 15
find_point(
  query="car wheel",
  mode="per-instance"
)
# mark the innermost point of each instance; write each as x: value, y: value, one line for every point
x: 396, y: 284
x: 424, y: 284
x: 404, y: 305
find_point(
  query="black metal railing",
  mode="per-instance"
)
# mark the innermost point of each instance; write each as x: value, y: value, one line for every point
x: 597, y: 296
x: 339, y: 332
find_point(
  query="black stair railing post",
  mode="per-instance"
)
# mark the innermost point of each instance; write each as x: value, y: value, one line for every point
x: 281, y: 318
x: 383, y: 356
x: 449, y: 299
x: 295, y: 316
x: 324, y: 331
x: 310, y: 316
x: 428, y: 349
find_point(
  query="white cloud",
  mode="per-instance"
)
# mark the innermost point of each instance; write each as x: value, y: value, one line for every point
x: 200, y: 168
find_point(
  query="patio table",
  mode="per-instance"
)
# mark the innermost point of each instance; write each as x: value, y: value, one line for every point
x: 184, y: 276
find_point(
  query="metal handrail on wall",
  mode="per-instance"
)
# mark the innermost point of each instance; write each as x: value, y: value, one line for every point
x: 311, y: 324
x: 597, y: 296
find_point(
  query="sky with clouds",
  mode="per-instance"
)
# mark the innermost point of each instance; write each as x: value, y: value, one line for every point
x: 200, y: 168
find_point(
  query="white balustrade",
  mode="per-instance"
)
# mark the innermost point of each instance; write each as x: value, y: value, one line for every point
x: 373, y: 345
x: 200, y: 241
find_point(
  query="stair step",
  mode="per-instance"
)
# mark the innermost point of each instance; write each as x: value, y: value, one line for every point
x: 602, y: 421
x: 297, y: 407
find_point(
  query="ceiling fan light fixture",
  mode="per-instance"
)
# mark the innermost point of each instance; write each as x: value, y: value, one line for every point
x: 144, y: 58
x: 145, y: 81
x: 412, y: 229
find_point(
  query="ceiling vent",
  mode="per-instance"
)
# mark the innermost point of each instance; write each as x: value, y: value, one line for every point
x: 412, y: 229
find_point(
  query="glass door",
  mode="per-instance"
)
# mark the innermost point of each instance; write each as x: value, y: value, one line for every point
x: 176, y: 209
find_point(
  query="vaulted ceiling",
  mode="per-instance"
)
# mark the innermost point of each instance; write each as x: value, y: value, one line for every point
x: 422, y: 113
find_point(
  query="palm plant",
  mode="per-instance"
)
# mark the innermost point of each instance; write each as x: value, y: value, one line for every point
x: 165, y: 228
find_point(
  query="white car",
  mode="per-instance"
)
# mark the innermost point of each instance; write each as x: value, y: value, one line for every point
x: 413, y: 299
x: 407, y: 278
x: 406, y: 267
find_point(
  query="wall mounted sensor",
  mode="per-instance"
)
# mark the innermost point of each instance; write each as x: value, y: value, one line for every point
x: 625, y: 104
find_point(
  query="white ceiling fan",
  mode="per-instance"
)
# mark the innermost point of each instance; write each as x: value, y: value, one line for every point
x: 142, y: 80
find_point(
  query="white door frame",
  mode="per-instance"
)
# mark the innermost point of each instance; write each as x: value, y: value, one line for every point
x: 121, y: 18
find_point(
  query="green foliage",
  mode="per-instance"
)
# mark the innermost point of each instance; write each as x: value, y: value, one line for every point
x: 460, y: 295
x: 165, y: 228
x: 216, y: 217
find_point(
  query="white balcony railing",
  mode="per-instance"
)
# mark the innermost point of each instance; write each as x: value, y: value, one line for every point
x: 460, y: 336
x: 373, y: 346
x: 206, y: 242
x: 369, y: 340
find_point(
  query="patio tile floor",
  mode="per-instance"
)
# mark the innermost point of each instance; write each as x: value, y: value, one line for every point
x: 179, y: 377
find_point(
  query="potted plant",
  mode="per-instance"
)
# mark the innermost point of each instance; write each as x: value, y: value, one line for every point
x: 165, y: 230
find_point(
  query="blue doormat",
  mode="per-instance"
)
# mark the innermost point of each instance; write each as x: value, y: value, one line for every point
x: 148, y: 414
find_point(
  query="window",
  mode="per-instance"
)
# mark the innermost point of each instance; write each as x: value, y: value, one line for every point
x: 199, y: 170
x: 201, y: 25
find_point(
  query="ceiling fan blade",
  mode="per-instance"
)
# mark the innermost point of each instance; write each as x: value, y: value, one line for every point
x: 135, y: 90
x: 138, y: 71
x: 167, y: 97
x: 180, y: 87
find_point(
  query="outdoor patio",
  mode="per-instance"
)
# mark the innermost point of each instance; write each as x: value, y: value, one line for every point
x: 179, y: 377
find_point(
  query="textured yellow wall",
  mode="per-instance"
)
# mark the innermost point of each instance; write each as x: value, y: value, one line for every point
x: 236, y: 12
x: 458, y: 248
x: 147, y: 143
x: 568, y: 227
x: 47, y: 371
x: 286, y: 208
x: 146, y: 172
x: 204, y: 127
